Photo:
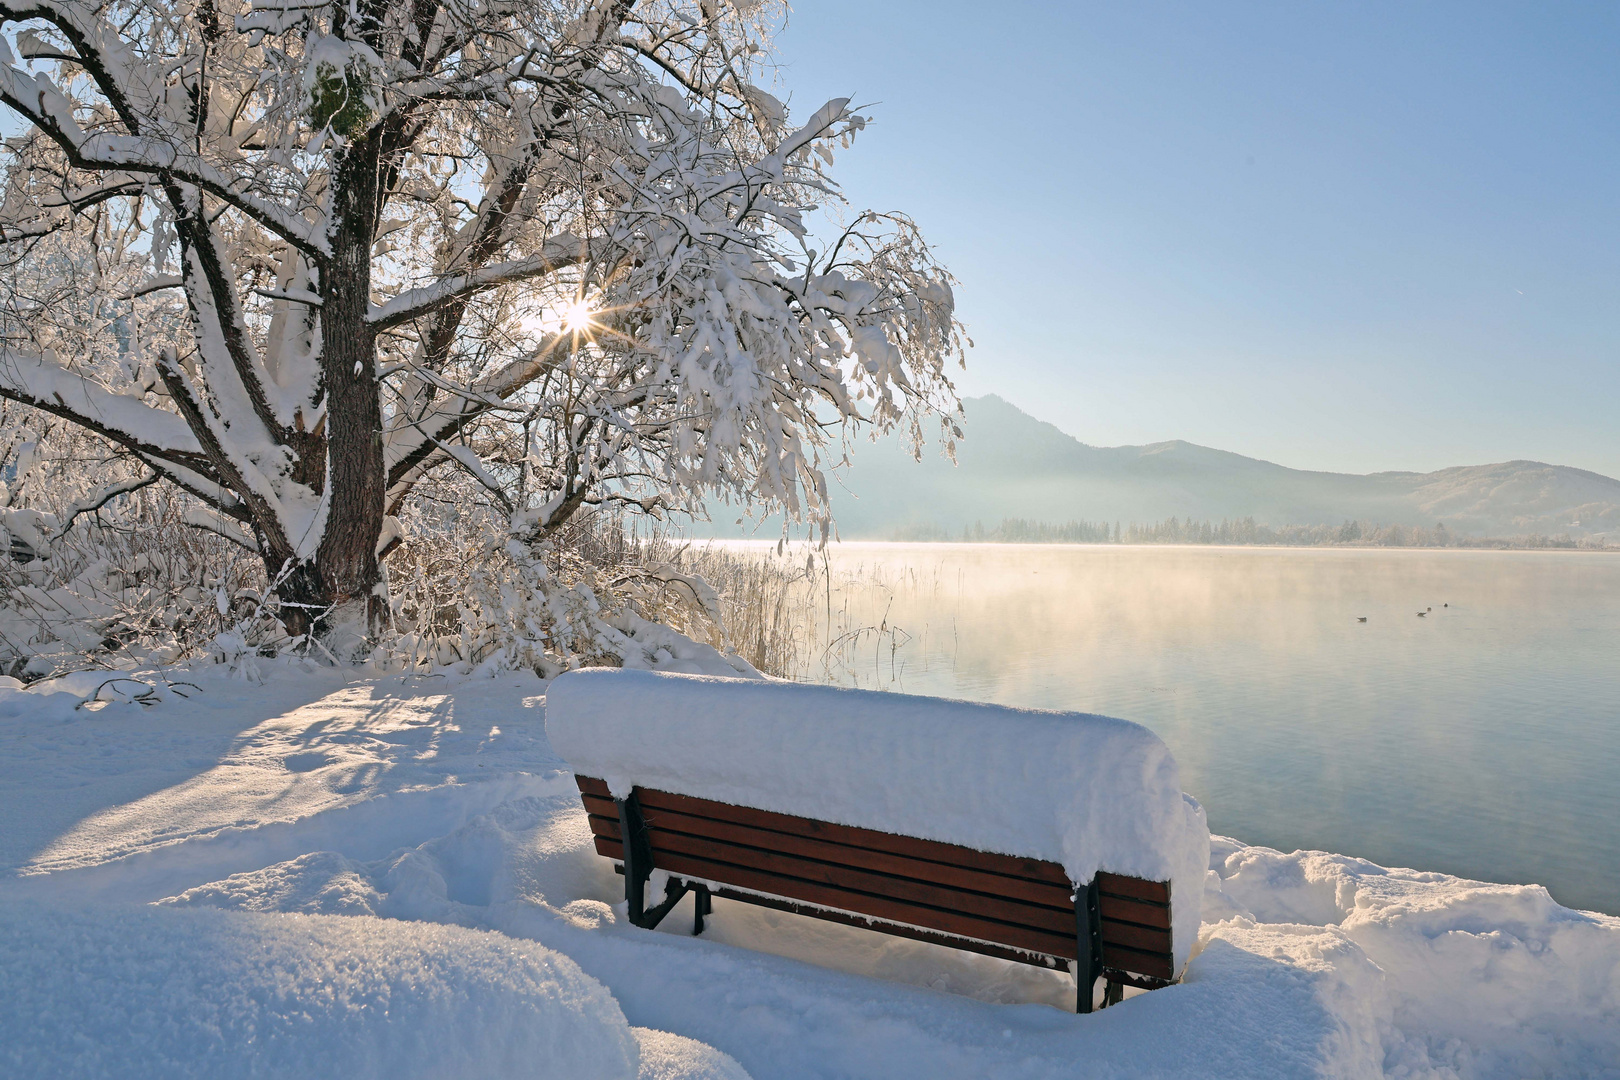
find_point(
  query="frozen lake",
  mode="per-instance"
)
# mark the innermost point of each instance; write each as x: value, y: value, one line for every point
x: 1482, y: 739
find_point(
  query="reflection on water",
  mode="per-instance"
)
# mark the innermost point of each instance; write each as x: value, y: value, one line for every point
x: 1481, y: 739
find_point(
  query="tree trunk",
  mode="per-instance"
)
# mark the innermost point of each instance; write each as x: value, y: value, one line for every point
x: 338, y: 595
x: 303, y: 598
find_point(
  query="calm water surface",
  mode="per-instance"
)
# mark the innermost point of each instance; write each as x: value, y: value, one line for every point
x: 1482, y: 739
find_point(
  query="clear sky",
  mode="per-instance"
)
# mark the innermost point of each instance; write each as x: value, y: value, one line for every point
x: 1355, y: 236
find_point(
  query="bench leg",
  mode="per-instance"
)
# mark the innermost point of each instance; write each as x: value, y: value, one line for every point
x: 1113, y: 993
x: 702, y: 904
x: 1088, y: 933
x: 638, y: 868
x: 637, y: 858
x: 673, y: 891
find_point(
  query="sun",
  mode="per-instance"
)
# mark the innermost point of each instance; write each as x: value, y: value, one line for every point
x: 577, y: 317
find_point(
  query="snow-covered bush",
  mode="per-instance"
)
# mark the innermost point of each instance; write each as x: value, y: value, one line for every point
x: 131, y: 582
x: 766, y: 604
x: 467, y: 588
x: 111, y: 583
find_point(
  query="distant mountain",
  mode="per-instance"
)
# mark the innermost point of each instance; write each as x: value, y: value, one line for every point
x: 1014, y: 466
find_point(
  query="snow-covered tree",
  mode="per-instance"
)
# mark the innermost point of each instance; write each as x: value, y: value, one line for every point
x: 294, y: 256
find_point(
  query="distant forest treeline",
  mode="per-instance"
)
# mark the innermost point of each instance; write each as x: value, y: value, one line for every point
x: 1239, y: 532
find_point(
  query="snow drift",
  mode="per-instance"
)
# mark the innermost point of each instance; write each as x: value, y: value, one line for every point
x: 133, y: 992
x: 1423, y: 974
x: 1089, y: 792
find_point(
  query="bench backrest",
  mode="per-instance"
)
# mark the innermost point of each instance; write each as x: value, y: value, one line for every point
x: 1022, y: 909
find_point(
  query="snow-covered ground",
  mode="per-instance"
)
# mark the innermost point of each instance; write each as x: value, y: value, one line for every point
x: 312, y: 874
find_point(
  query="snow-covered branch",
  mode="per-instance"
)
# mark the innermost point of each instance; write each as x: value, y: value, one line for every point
x: 43, y: 382
x: 412, y: 444
x: 153, y: 140
x: 95, y: 501
x: 556, y: 253
x: 207, y: 520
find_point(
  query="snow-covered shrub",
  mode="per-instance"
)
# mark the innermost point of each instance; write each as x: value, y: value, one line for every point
x: 132, y: 582
x: 766, y: 604
x: 128, y: 582
x: 467, y: 587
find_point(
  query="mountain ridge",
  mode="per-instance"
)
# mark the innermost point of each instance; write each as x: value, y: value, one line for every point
x: 1011, y: 465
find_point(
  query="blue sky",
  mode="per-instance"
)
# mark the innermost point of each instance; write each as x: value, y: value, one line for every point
x: 1350, y: 237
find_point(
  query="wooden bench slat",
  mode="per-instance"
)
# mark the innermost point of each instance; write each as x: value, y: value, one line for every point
x: 864, y: 881
x: 1115, y: 911
x: 1134, y: 888
x: 1158, y: 965
x: 908, y: 846
x: 1113, y: 930
x: 1114, y: 905
x: 1132, y: 911
x: 917, y: 933
x: 845, y: 906
x: 959, y: 924
x: 882, y: 861
x: 1132, y: 936
x: 1057, y: 897
x: 1032, y: 892
x: 600, y: 804
x: 1141, y: 982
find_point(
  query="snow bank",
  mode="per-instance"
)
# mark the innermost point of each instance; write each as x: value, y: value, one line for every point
x: 1312, y: 965
x: 1089, y: 792
x: 135, y: 992
x: 1473, y: 979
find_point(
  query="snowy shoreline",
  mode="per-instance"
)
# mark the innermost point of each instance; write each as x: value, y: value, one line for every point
x: 343, y: 831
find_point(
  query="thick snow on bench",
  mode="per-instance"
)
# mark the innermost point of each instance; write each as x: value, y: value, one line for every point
x: 1089, y: 792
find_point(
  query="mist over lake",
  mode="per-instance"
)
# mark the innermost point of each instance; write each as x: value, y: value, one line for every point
x: 1480, y: 739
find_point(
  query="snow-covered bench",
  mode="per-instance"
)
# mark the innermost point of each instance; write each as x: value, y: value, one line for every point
x: 1055, y: 839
